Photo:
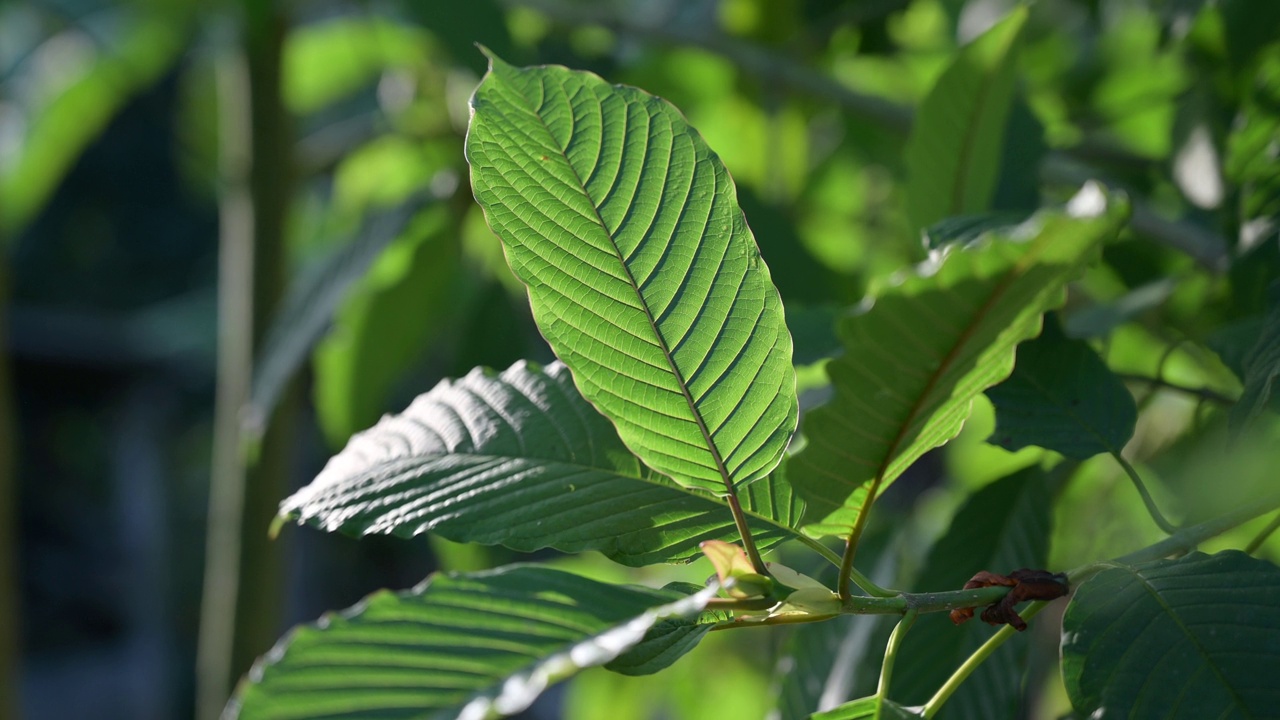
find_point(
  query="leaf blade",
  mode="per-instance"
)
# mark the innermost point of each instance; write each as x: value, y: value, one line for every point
x: 900, y: 393
x: 1199, y: 623
x: 1061, y: 396
x: 545, y: 470
x: 470, y: 645
x: 953, y: 153
x: 641, y: 271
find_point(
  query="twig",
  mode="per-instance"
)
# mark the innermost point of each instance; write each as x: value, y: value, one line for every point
x: 1152, y: 508
x: 1202, y: 393
x: 1261, y: 537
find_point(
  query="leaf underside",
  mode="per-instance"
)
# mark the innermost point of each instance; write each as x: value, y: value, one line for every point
x: 467, y: 646
x: 953, y: 153
x: 914, y: 361
x: 867, y: 708
x: 520, y: 459
x: 1188, y: 638
x: 641, y: 271
x: 1061, y: 396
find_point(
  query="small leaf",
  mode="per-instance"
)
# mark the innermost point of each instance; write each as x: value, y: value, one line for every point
x: 953, y: 153
x: 868, y: 708
x: 666, y: 641
x: 460, y: 645
x: 1061, y: 396
x: 642, y: 273
x: 1189, y: 638
x: 520, y: 459
x: 914, y: 362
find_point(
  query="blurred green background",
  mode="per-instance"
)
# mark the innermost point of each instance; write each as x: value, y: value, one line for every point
x: 162, y: 163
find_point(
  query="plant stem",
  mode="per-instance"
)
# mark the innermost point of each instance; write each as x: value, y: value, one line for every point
x: 851, y: 544
x: 977, y: 658
x: 1261, y: 537
x: 242, y: 604
x: 891, y: 652
x: 1147, y: 500
x: 1202, y: 393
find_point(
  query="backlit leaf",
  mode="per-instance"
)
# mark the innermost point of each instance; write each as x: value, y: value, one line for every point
x: 926, y: 347
x: 641, y: 271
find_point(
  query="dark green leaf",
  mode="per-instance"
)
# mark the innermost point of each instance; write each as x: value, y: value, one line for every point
x: 642, y: 273
x: 1002, y: 527
x: 522, y: 460
x: 1261, y: 366
x: 953, y: 154
x: 1061, y: 396
x: 460, y: 645
x: 914, y: 362
x: 1192, y: 638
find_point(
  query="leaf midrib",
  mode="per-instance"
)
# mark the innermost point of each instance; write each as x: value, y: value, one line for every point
x: 644, y: 305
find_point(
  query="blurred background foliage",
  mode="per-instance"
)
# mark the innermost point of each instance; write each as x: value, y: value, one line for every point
x: 114, y: 176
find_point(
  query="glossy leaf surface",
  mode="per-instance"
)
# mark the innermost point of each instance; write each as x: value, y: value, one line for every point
x: 641, y: 271
x: 520, y: 459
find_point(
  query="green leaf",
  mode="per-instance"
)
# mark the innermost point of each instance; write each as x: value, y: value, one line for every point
x: 371, y: 344
x: 309, y: 307
x: 642, y: 273
x: 1195, y: 637
x: 953, y: 153
x: 868, y: 708
x: 460, y: 645
x: 667, y: 641
x: 1261, y: 366
x: 1061, y: 396
x: 522, y: 460
x: 916, y: 359
x: 1002, y: 527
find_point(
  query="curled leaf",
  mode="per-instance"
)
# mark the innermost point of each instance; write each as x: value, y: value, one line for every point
x: 1026, y: 584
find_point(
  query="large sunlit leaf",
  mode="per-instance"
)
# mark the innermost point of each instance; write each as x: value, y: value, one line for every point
x: 1000, y: 528
x: 520, y: 459
x: 476, y: 645
x: 641, y: 270
x: 953, y: 154
x: 1061, y: 396
x: 926, y: 347
x: 1189, y: 638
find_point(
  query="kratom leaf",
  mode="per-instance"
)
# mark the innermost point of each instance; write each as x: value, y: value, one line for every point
x: 461, y: 645
x: 868, y: 708
x: 916, y: 359
x: 1002, y: 527
x: 642, y: 273
x: 522, y: 460
x: 667, y: 641
x: 1061, y: 396
x: 1189, y: 638
x: 953, y: 153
